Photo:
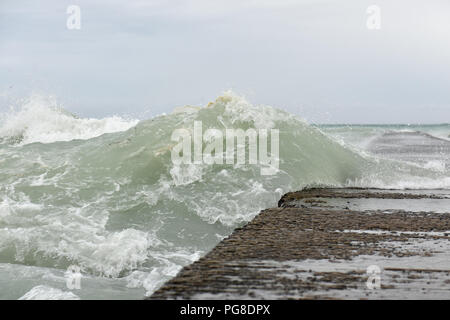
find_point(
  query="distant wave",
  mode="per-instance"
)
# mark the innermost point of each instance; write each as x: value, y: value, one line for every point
x: 40, y: 119
x: 413, y: 133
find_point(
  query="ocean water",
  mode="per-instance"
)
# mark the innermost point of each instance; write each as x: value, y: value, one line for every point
x: 103, y: 194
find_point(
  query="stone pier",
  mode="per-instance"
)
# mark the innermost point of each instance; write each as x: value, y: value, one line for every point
x: 330, y: 244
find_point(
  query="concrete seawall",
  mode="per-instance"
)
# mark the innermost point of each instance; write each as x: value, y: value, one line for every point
x: 327, y: 244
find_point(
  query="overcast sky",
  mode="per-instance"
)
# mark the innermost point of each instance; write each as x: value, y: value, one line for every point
x: 314, y: 58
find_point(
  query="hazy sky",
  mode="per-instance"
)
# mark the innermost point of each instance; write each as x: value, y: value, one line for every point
x: 315, y: 58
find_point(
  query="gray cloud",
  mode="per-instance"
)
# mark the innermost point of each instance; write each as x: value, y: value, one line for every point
x: 313, y: 58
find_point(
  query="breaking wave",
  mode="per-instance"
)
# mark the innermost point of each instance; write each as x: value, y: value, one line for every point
x: 41, y: 119
x: 104, y: 194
